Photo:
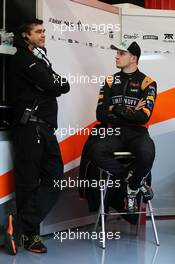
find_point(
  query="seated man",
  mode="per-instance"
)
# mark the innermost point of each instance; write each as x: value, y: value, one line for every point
x: 126, y: 101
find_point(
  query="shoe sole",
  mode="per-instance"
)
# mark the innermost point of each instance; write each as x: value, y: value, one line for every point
x: 148, y: 195
x: 30, y: 244
x: 36, y: 251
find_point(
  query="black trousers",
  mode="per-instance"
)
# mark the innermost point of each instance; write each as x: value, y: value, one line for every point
x: 37, y: 164
x: 133, y: 139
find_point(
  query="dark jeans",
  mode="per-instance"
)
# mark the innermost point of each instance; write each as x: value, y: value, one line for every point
x: 36, y: 166
x: 133, y: 139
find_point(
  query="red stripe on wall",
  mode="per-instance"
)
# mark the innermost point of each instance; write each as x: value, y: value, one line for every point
x: 7, y: 184
x: 71, y: 148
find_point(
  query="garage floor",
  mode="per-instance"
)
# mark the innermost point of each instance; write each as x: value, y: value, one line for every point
x: 129, y: 249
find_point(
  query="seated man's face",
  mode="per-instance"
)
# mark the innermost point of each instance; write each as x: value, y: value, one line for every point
x: 124, y: 59
x: 36, y: 37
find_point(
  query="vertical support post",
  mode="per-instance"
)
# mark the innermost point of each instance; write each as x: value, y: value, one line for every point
x: 3, y: 79
x: 4, y: 16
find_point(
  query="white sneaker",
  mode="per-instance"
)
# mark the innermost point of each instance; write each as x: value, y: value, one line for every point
x: 130, y: 200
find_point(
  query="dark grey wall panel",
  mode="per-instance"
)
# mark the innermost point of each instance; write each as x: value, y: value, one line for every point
x: 135, y: 2
x: 17, y: 12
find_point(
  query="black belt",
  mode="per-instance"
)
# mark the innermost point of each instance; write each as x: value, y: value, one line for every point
x: 40, y: 121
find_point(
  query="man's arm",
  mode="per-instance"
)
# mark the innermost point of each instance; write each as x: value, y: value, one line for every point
x: 43, y: 78
x: 141, y: 114
x: 103, y: 113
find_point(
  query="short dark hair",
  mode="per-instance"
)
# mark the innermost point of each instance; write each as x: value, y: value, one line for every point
x: 28, y: 25
x: 25, y: 27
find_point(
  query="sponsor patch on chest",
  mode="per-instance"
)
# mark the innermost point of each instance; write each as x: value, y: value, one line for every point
x: 128, y: 101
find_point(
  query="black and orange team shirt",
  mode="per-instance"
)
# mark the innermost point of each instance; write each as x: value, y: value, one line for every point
x: 123, y: 92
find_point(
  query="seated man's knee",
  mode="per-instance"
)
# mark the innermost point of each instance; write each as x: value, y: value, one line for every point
x: 146, y: 157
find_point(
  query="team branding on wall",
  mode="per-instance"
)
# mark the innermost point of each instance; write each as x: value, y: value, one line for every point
x: 147, y: 41
x: 152, y: 37
x: 129, y: 36
x: 81, y: 27
x: 169, y: 38
x: 60, y: 26
x: 74, y: 41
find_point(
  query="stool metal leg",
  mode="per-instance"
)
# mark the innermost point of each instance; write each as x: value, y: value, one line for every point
x: 103, y: 219
x: 153, y: 223
x: 99, y: 211
x: 97, y: 221
x: 139, y: 216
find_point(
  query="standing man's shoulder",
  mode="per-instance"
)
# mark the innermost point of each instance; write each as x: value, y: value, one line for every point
x: 24, y: 55
x: 25, y: 60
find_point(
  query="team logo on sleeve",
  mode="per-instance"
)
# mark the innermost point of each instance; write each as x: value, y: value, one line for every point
x: 152, y: 91
x: 146, y: 82
x: 150, y: 97
x: 149, y: 104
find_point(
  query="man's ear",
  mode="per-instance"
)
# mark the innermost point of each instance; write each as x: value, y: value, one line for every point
x: 25, y: 37
x: 134, y: 58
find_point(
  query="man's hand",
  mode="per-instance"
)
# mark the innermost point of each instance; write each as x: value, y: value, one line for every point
x: 140, y: 104
x: 110, y: 107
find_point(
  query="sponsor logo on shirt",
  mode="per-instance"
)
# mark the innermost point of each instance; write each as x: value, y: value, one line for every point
x: 117, y: 80
x: 134, y: 84
x: 129, y: 101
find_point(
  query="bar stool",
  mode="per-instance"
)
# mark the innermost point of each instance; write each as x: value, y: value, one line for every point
x: 101, y: 212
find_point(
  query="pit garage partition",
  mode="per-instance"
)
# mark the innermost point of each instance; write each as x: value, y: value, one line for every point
x: 85, y: 51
